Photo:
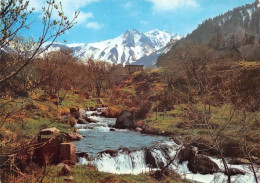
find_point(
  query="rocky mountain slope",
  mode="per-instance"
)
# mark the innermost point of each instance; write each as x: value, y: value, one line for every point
x: 239, y: 27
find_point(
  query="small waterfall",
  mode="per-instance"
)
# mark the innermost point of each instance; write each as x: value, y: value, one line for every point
x: 145, y: 160
x: 135, y: 161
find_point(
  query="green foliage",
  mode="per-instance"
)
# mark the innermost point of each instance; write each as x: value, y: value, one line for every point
x: 86, y: 174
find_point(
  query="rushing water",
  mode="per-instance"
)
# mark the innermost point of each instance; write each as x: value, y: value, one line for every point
x: 137, y: 153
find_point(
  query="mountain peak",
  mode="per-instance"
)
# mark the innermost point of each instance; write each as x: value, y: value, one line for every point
x: 132, y: 32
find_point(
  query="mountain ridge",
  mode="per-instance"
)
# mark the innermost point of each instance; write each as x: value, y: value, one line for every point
x: 131, y: 47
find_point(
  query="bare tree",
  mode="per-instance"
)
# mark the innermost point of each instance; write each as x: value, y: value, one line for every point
x: 14, y: 15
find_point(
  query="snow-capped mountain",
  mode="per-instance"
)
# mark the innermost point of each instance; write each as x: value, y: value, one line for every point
x: 128, y: 48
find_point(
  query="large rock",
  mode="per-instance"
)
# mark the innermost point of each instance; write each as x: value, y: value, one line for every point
x: 150, y: 159
x: 73, y: 136
x: 49, y: 131
x: 67, y: 151
x: 125, y: 120
x: 82, y: 121
x: 82, y: 113
x: 203, y: 165
x: 90, y: 120
x: 139, y: 129
x: 187, y: 153
x: 49, y: 153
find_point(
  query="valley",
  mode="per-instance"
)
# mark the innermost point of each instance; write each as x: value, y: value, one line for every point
x: 144, y: 106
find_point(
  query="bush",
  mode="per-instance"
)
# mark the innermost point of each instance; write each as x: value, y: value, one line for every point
x: 111, y: 112
x: 143, y: 111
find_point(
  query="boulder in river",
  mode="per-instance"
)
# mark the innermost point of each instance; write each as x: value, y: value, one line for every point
x: 150, y: 159
x: 82, y: 113
x: 82, y: 121
x: 187, y: 153
x: 125, y: 120
x: 73, y: 136
x: 203, y: 165
x: 90, y: 120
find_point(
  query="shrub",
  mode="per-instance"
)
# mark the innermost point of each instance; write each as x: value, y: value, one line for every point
x: 111, y: 112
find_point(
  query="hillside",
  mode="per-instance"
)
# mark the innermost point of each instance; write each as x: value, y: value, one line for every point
x: 239, y: 27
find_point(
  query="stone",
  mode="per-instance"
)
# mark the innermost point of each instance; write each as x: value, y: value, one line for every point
x: 150, y: 159
x: 82, y: 113
x: 139, y: 129
x: 90, y: 120
x: 95, y: 114
x: 49, y: 153
x: 92, y: 108
x: 187, y: 153
x: 203, y: 165
x: 67, y: 153
x: 73, y: 136
x: 179, y: 140
x: 125, y: 120
x: 235, y: 171
x: 82, y: 121
x: 71, y: 162
x: 69, y: 179
x: 65, y: 170
x: 49, y: 131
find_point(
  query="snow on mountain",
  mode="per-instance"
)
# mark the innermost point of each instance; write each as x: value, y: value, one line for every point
x: 128, y: 48
x: 161, y: 38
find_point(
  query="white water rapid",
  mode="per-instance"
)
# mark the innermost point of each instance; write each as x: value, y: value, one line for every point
x: 135, y: 153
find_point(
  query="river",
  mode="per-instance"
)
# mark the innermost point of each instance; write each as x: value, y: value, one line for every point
x: 131, y: 152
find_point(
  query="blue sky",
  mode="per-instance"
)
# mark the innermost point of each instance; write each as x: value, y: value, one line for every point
x: 104, y: 19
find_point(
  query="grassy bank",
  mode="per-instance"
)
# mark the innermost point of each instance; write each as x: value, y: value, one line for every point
x: 87, y: 174
x: 27, y: 116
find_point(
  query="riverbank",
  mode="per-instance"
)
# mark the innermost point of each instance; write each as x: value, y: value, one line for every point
x: 89, y: 174
x: 41, y: 112
x: 228, y: 116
